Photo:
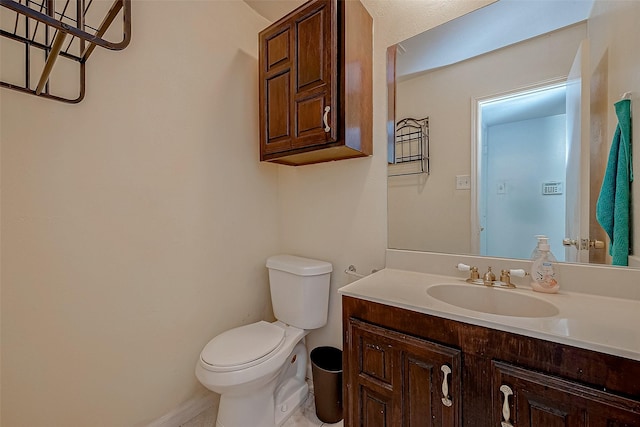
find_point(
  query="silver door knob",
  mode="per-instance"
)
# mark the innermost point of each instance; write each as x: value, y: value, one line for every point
x: 583, y: 244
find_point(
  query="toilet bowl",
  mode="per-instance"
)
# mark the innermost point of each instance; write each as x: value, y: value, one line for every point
x: 259, y: 369
x: 247, y: 379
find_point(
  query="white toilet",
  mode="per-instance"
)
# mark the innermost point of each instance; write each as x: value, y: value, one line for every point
x: 259, y: 369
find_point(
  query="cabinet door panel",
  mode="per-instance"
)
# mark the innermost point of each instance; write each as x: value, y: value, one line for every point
x: 376, y: 356
x: 310, y: 50
x: 540, y: 400
x: 278, y: 49
x: 418, y: 405
x: 376, y: 409
x: 309, y: 113
x: 278, y: 113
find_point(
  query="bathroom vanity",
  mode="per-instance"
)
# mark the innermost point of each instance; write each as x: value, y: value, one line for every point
x: 411, y: 359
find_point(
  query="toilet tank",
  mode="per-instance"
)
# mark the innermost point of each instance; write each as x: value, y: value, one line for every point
x: 299, y: 290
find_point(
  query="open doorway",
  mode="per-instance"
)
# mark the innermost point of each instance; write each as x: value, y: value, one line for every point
x: 520, y: 166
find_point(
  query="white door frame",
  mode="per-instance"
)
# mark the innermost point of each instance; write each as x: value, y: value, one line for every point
x: 476, y: 145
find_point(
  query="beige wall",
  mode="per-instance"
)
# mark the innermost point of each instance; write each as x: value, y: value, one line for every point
x: 131, y: 240
x: 412, y: 199
x: 338, y: 211
x: 135, y: 225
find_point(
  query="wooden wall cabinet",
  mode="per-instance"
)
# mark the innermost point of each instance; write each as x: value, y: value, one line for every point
x: 315, y: 76
x: 394, y: 359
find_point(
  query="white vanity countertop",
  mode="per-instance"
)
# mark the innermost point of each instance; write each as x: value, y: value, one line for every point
x: 604, y: 324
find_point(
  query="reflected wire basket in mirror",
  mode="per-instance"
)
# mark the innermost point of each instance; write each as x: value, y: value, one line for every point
x: 410, y: 148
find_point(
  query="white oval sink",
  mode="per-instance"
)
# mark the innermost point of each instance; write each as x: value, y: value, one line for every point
x: 504, y: 302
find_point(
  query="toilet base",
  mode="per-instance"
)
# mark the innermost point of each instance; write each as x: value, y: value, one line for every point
x: 294, y: 396
x: 273, y: 403
x: 256, y: 409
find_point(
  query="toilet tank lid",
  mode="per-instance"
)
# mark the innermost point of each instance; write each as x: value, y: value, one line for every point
x: 298, y: 265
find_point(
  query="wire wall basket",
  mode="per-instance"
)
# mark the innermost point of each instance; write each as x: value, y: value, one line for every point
x: 411, y: 147
x: 41, y: 32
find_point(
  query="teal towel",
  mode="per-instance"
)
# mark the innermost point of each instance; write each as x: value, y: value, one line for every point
x: 613, y: 209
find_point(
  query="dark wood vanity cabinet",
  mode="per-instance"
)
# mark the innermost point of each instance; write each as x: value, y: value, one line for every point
x: 315, y: 75
x: 534, y: 399
x: 400, y: 380
x: 395, y: 359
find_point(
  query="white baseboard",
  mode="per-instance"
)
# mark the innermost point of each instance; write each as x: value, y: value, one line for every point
x: 187, y: 411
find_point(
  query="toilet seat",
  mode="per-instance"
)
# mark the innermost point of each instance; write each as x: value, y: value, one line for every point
x: 242, y: 347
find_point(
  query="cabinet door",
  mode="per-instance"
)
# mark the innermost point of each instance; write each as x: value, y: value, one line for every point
x: 298, y: 79
x: 316, y: 75
x: 431, y: 393
x: 371, y: 358
x: 398, y: 380
x: 538, y: 400
x: 276, y: 73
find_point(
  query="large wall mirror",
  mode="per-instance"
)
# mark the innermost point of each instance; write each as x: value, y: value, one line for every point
x: 520, y: 99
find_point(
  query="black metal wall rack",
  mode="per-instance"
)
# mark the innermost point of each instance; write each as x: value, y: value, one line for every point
x: 53, y: 29
x: 411, y: 147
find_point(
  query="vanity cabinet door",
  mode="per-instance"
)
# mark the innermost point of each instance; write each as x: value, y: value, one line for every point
x: 398, y: 380
x: 524, y: 398
x: 371, y: 362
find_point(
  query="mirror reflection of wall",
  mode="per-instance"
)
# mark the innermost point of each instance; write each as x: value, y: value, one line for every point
x: 522, y: 153
x: 445, y: 222
x: 428, y: 213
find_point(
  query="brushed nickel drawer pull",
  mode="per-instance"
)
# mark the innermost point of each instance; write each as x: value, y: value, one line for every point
x: 445, y: 386
x: 325, y: 118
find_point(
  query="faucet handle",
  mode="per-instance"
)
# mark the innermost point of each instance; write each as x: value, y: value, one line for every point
x: 505, y: 276
x: 474, y: 276
x: 464, y: 267
x: 518, y: 272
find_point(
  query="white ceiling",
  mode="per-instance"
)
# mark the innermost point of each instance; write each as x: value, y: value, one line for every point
x: 274, y: 9
x: 495, y: 26
x: 536, y: 104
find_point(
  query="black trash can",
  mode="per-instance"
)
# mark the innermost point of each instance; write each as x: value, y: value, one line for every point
x: 326, y: 368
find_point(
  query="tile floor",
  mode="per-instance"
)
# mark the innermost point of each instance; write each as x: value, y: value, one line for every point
x: 305, y: 416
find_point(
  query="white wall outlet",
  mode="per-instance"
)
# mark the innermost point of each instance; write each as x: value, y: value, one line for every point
x: 463, y: 182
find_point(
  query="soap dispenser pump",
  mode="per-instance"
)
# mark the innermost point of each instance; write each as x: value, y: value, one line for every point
x: 543, y: 272
x: 536, y: 251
